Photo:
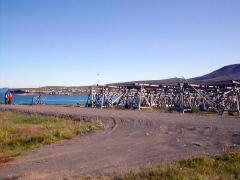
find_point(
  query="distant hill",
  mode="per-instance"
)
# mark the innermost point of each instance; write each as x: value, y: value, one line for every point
x: 163, y: 81
x: 226, y: 73
x: 220, y: 76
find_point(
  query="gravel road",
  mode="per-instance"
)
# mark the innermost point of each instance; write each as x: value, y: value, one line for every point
x: 130, y: 139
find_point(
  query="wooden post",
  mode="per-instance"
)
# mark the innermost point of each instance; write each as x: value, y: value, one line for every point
x: 102, y: 100
x: 181, y: 97
x: 140, y: 99
x: 237, y: 99
x: 91, y: 97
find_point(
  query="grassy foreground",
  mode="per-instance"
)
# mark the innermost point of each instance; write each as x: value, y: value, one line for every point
x: 19, y: 132
x: 226, y: 167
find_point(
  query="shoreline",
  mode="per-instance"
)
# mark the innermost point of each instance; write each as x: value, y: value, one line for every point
x: 25, y: 94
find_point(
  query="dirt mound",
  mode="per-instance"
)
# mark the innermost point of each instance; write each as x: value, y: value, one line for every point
x: 6, y: 159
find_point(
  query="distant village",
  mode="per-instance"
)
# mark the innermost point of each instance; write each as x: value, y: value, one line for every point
x: 52, y: 90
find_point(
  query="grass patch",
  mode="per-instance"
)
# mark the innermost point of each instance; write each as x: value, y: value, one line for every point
x: 20, y: 132
x: 199, y: 168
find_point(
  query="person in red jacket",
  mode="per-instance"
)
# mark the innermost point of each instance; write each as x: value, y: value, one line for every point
x: 8, y: 98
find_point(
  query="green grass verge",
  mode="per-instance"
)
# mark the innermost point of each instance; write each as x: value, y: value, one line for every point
x: 20, y: 132
x: 226, y: 167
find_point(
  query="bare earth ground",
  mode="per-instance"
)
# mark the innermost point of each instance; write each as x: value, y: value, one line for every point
x: 130, y: 139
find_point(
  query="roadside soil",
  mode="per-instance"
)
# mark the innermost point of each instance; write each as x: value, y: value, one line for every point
x: 130, y: 139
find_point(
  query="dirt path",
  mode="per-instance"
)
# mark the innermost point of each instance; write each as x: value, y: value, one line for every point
x: 131, y: 139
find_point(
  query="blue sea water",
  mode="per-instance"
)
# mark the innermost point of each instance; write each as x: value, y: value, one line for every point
x: 48, y: 99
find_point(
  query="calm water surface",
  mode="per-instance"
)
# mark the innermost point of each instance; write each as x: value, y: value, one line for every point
x: 48, y: 99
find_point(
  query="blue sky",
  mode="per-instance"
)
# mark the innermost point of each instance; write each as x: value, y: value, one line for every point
x: 83, y: 42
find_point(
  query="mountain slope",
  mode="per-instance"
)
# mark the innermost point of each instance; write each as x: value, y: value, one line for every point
x: 230, y: 72
x: 226, y: 73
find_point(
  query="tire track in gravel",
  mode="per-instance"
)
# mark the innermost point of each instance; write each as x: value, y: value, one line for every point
x: 130, y: 139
